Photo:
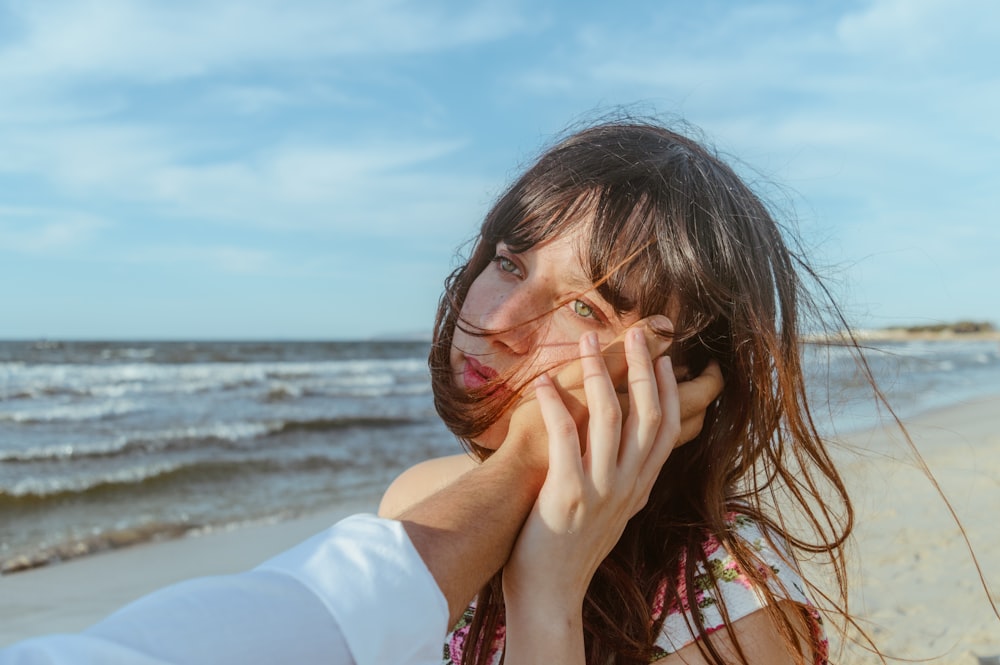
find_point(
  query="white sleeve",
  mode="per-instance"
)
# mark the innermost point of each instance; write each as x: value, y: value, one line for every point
x: 356, y: 593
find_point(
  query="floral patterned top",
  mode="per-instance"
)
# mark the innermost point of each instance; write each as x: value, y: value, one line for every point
x: 738, y: 595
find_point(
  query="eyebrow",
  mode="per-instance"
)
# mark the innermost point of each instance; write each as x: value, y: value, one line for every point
x: 582, y: 285
x: 579, y: 284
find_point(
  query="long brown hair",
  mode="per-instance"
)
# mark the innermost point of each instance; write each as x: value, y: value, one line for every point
x: 672, y: 226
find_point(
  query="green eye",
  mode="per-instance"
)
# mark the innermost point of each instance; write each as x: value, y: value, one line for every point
x: 506, y: 264
x: 583, y: 309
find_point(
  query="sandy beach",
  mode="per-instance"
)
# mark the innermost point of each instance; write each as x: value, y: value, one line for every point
x: 914, y: 585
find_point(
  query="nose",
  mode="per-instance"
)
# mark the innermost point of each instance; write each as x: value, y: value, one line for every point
x: 512, y: 324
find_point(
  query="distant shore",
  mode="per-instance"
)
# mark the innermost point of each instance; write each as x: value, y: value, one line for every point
x: 960, y: 331
x: 907, y: 335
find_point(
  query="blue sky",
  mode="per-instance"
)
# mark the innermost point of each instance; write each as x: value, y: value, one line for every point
x: 271, y: 169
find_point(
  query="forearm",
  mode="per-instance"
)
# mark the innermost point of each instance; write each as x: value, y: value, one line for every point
x: 465, y: 532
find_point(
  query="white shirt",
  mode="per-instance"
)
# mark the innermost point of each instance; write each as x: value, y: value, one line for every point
x: 356, y: 593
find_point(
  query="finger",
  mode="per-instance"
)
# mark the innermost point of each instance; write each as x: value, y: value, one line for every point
x: 644, y: 413
x: 605, y: 415
x: 669, y: 430
x: 564, y: 442
x: 655, y: 331
x: 696, y: 396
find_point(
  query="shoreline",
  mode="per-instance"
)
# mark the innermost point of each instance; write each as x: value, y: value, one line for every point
x: 132, y: 538
x: 912, y: 585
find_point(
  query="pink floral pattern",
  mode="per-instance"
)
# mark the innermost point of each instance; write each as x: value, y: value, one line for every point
x: 455, y: 642
x: 723, y: 577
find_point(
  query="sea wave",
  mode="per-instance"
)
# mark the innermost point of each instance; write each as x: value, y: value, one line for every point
x: 167, y: 439
x: 31, y: 491
x: 328, y: 424
x: 70, y: 412
x: 193, y: 437
x: 19, y: 382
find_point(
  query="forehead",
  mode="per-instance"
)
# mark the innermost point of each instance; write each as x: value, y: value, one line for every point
x: 564, y: 256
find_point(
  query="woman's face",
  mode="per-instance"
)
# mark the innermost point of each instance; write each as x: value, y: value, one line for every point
x: 539, y: 302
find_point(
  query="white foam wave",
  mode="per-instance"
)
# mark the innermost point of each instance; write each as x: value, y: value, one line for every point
x: 129, y: 378
x: 70, y: 412
x: 150, y: 440
x: 48, y: 485
x: 224, y: 431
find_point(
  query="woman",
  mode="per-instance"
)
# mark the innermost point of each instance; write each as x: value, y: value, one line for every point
x: 620, y: 222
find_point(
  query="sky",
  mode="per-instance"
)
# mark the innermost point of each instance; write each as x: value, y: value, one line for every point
x: 257, y: 169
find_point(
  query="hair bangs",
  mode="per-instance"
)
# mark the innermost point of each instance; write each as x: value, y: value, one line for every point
x: 541, y: 217
x: 624, y: 257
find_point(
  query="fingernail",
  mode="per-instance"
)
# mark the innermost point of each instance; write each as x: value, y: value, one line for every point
x: 542, y: 380
x: 658, y: 322
x: 636, y: 336
x: 590, y: 341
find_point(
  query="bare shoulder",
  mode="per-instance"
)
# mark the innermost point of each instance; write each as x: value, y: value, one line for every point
x: 760, y: 638
x: 422, y: 480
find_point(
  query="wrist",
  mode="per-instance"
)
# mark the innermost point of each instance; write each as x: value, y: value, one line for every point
x: 537, y: 634
x: 543, y: 591
x: 520, y: 459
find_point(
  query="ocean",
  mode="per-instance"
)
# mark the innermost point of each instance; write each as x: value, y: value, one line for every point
x: 106, y: 444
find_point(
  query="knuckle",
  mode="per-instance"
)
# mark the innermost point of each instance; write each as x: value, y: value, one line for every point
x: 573, y: 499
x: 611, y: 413
x: 653, y: 415
x: 565, y: 429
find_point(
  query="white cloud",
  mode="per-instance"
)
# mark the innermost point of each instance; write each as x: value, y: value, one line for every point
x: 250, y: 99
x: 366, y: 190
x: 85, y: 156
x: 220, y: 258
x: 931, y: 32
x: 151, y: 41
x: 47, y: 231
x: 376, y: 188
x: 82, y: 121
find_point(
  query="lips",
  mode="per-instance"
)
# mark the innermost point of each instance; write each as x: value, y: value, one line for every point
x: 476, y: 375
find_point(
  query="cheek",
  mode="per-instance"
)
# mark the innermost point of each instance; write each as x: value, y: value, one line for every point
x: 470, y: 313
x: 476, y: 299
x: 558, y: 342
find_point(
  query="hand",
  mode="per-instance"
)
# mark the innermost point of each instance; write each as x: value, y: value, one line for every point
x: 591, y: 491
x: 696, y: 395
x: 524, y: 442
